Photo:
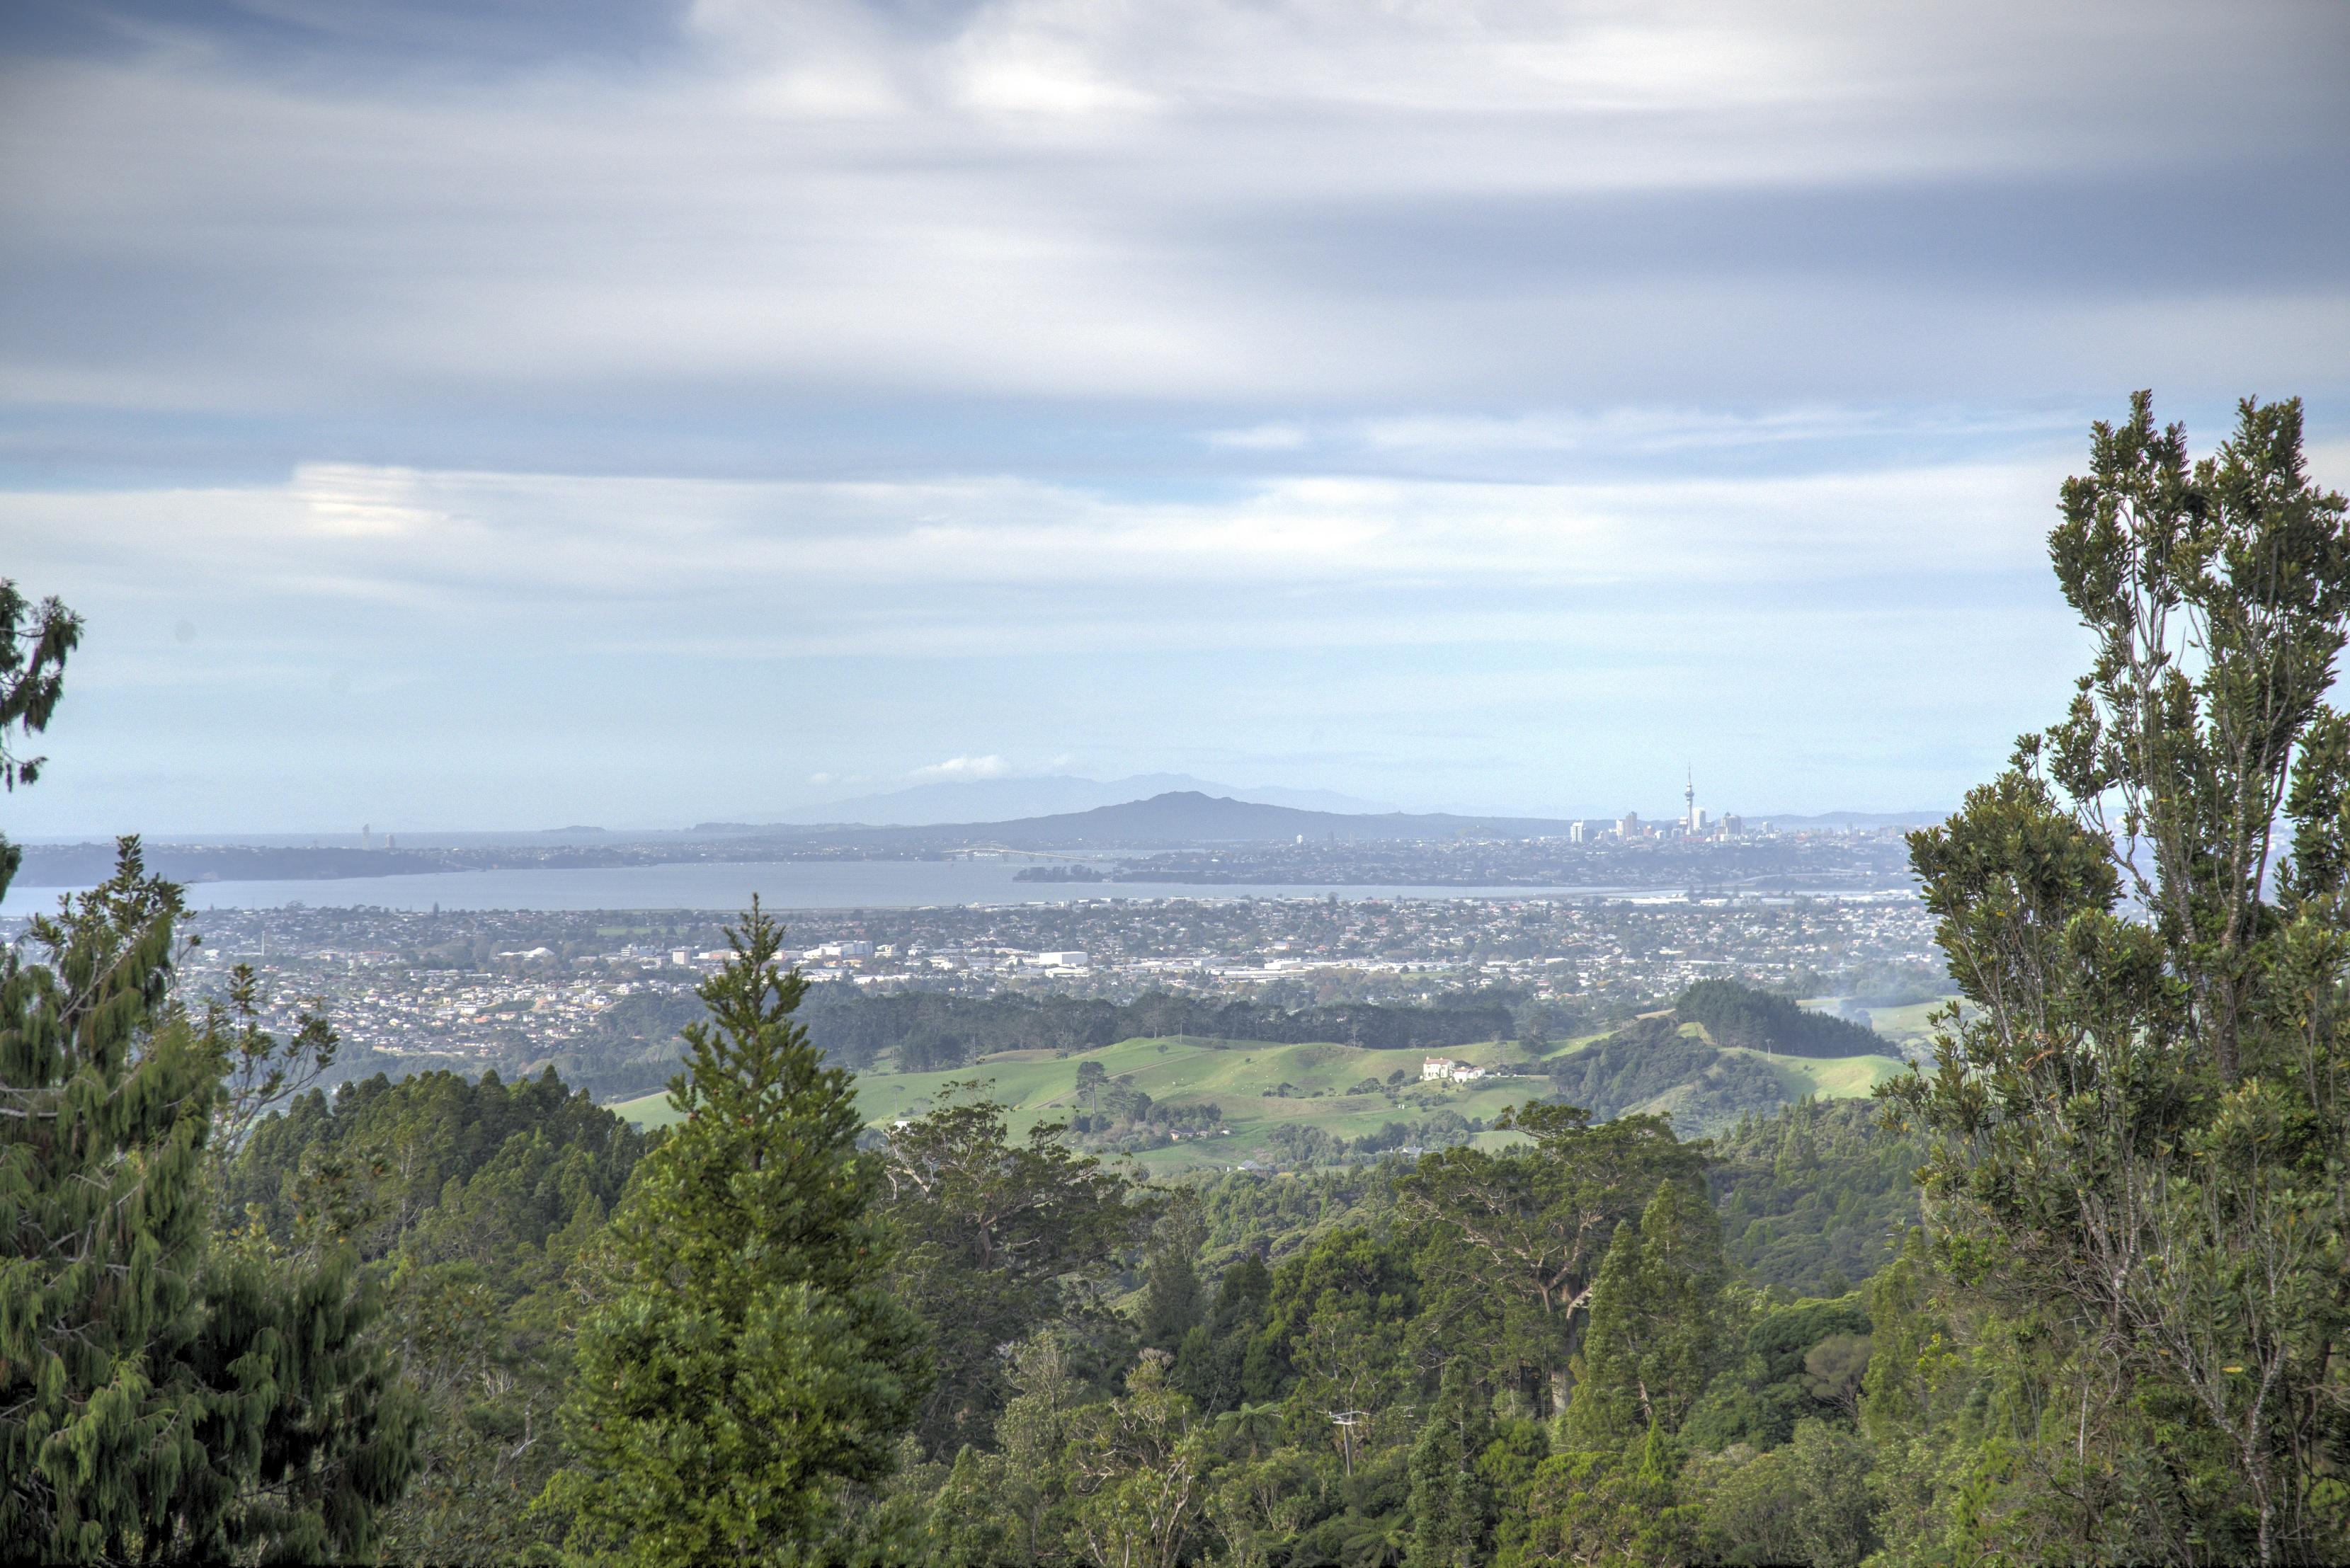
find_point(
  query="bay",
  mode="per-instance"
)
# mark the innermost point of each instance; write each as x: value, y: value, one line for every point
x: 782, y: 885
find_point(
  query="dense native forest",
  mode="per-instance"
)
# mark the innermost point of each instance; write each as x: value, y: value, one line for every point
x: 2076, y: 1293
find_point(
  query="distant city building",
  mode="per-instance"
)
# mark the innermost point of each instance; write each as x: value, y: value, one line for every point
x: 1628, y: 826
x: 1733, y: 824
x: 1071, y: 959
x: 1575, y: 833
x: 1696, y: 822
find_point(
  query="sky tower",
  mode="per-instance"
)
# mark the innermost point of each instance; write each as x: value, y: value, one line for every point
x: 1689, y: 823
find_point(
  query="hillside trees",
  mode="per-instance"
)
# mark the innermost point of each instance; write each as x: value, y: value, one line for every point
x: 1735, y: 1014
x: 748, y: 1362
x: 2142, y: 1171
x: 1513, y: 1241
x: 477, y: 1205
x: 998, y: 1239
x: 1657, y: 1321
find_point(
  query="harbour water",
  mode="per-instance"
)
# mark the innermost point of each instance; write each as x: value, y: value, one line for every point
x: 782, y: 885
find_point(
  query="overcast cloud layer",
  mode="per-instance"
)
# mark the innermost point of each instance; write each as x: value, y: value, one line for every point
x: 470, y: 415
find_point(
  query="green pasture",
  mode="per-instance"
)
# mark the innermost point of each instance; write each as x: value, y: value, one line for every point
x: 1257, y: 1087
x: 1245, y: 1080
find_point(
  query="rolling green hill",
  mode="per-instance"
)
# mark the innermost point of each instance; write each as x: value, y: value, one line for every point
x: 1233, y: 1075
x: 1259, y: 1087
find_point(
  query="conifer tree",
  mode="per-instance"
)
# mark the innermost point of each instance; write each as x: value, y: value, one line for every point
x: 1454, y: 1503
x: 157, y: 1402
x: 34, y: 642
x: 101, y: 1144
x: 1655, y: 1321
x: 748, y: 1363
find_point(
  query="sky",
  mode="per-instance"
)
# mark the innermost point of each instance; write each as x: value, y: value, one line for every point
x: 511, y: 413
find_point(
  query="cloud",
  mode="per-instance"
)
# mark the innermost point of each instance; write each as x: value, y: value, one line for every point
x: 1297, y: 205
x: 1502, y: 378
x: 979, y: 562
x: 1275, y: 437
x: 955, y: 769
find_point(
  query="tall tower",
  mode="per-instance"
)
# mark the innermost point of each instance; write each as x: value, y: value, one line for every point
x: 1688, y: 800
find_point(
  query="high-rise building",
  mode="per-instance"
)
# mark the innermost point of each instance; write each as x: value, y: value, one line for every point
x: 1574, y: 832
x: 1733, y: 824
x: 1628, y: 824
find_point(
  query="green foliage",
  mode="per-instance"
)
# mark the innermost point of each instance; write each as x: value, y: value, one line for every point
x: 855, y: 1029
x: 404, y: 1143
x: 1455, y: 1504
x: 1734, y: 1014
x: 1138, y: 1466
x: 2142, y: 1135
x: 34, y: 642
x: 1173, y: 1300
x: 1605, y: 1509
x: 998, y: 1241
x: 1657, y: 1322
x: 1212, y: 1359
x: 1247, y: 1214
x: 1813, y: 1199
x: 160, y: 1398
x: 1805, y: 1501
x: 1651, y: 1058
x: 472, y: 1202
x: 747, y: 1363
x: 1511, y: 1243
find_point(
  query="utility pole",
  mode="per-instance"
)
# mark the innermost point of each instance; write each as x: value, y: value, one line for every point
x: 1346, y: 1421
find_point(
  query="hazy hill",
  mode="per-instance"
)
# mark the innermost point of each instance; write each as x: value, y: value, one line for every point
x: 1191, y: 817
x: 975, y: 800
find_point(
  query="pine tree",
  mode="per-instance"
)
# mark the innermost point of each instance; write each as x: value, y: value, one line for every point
x: 101, y: 1149
x: 158, y: 1401
x: 1655, y: 1321
x: 748, y: 1363
x: 1453, y: 1505
x: 1173, y: 1302
x: 34, y: 642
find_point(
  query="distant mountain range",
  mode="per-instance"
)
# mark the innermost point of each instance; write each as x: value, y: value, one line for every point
x: 992, y: 800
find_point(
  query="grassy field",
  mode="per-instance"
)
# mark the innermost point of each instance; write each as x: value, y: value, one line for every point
x: 1244, y: 1079
x: 1257, y: 1087
x: 1830, y: 1077
x: 1907, y: 1026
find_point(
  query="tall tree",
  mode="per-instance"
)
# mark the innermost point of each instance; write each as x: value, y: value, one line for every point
x: 1001, y: 1237
x: 1655, y: 1321
x: 1512, y: 1242
x: 749, y: 1363
x: 34, y: 642
x: 1453, y: 1503
x: 2142, y: 1115
x: 158, y: 1400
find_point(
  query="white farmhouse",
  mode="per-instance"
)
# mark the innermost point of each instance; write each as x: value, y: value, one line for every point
x: 1445, y: 1070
